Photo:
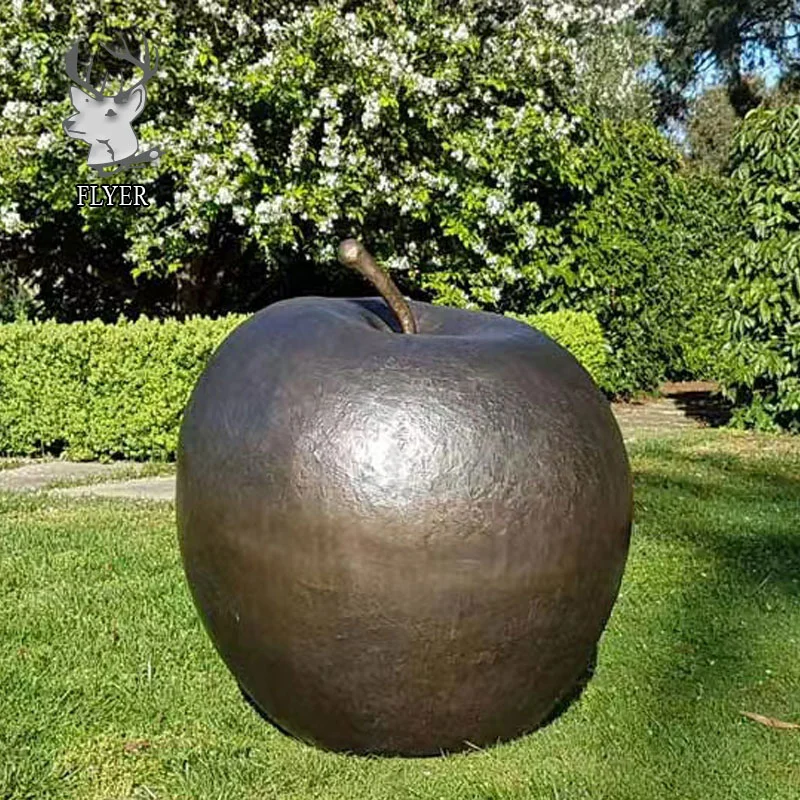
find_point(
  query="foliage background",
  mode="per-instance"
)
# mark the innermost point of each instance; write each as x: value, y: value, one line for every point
x: 286, y: 128
x: 762, y: 324
x: 493, y: 154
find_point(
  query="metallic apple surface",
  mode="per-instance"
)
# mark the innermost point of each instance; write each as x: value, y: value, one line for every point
x: 401, y: 544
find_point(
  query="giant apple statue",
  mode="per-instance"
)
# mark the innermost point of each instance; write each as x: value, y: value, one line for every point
x: 404, y: 526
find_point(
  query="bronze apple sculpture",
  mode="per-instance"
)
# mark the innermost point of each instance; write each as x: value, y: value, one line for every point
x: 402, y: 539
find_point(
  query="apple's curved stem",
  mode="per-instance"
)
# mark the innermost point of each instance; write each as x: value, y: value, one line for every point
x: 354, y: 254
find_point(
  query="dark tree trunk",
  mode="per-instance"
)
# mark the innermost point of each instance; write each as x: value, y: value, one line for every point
x: 742, y: 90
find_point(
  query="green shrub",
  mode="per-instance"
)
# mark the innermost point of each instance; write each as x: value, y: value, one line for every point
x: 97, y: 390
x: 762, y: 322
x: 581, y: 334
x: 644, y: 250
x: 445, y: 135
x: 94, y: 389
x: 437, y: 131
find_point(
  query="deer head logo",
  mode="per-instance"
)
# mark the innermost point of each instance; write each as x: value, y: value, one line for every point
x: 105, y: 123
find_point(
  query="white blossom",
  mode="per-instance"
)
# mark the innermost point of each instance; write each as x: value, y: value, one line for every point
x: 267, y: 61
x: 19, y: 109
x: 45, y: 140
x: 526, y: 48
x: 530, y: 238
x: 10, y: 220
x: 495, y: 204
x: 327, y: 252
x: 326, y: 226
x: 425, y: 84
x: 298, y: 146
x: 271, y: 211
x: 327, y: 99
x: 400, y: 263
x: 371, y: 115
x: 213, y: 8
x: 271, y: 27
x: 330, y: 179
x: 243, y: 23
x: 461, y: 34
x: 244, y: 143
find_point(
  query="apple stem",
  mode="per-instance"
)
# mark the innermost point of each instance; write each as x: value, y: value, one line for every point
x: 354, y: 254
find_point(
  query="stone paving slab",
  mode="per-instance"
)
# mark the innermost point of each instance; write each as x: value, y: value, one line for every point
x: 33, y: 476
x: 16, y: 461
x: 161, y: 488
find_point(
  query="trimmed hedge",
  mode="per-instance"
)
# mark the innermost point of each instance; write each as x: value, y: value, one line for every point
x: 581, y: 334
x: 91, y: 389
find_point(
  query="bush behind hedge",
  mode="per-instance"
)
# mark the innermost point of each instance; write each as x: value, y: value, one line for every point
x: 761, y: 359
x: 645, y: 250
x: 92, y: 390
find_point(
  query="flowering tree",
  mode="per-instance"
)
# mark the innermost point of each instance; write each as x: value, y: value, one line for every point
x: 445, y: 134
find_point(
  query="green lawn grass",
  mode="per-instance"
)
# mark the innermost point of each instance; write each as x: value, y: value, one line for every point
x: 109, y: 687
